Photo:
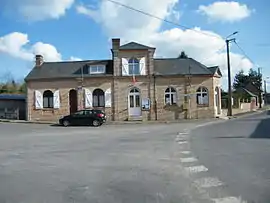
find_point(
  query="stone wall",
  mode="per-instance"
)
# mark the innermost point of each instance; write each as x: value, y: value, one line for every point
x: 64, y: 86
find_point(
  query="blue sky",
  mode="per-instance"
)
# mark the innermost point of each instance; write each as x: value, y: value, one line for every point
x: 70, y: 29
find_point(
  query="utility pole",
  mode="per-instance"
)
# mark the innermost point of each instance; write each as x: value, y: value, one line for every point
x: 265, y: 91
x: 260, y: 91
x: 229, y: 113
x: 229, y: 78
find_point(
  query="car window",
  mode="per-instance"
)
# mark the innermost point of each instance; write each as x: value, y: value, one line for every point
x: 79, y: 113
x: 88, y: 112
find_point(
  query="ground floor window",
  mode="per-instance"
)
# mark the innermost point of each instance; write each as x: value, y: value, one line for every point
x: 48, y: 99
x: 98, y: 98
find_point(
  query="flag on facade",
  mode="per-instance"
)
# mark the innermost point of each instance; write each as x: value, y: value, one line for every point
x: 134, y: 80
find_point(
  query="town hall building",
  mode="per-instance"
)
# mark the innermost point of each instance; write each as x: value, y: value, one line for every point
x: 133, y: 85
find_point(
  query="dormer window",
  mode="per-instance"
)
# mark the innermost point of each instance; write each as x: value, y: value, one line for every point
x: 97, y: 69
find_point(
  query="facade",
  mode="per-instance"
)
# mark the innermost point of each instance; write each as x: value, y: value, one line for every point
x: 133, y: 85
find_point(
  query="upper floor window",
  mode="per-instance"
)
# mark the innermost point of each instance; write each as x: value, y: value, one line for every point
x: 97, y: 69
x: 170, y: 96
x: 134, y: 66
x: 202, y: 96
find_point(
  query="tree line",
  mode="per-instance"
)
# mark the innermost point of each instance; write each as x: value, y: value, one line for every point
x: 8, y: 85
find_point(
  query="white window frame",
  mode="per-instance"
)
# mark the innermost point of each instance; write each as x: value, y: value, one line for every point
x: 201, y: 93
x: 172, y: 96
x: 99, y: 69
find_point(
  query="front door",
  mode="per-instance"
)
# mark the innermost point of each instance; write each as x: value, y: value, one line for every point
x: 134, y: 103
x: 73, y: 101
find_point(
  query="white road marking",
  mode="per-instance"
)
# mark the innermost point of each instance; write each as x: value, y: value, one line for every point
x: 182, y: 133
x: 185, y: 152
x: 208, y: 182
x: 182, y: 142
x: 196, y: 169
x: 229, y: 200
x: 188, y: 160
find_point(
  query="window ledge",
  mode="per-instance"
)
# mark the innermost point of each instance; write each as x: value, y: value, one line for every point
x: 202, y: 105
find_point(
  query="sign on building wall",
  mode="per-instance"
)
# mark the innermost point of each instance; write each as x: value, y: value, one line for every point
x: 145, y: 104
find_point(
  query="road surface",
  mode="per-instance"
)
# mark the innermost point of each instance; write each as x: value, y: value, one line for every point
x: 108, y: 164
x: 237, y: 156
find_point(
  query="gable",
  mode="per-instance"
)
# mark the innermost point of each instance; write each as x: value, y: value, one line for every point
x: 215, y: 70
x: 134, y: 45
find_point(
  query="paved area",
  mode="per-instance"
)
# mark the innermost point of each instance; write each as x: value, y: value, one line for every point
x: 234, y: 158
x: 123, y: 163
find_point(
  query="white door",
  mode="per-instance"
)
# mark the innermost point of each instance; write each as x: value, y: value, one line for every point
x: 217, y: 102
x: 134, y: 102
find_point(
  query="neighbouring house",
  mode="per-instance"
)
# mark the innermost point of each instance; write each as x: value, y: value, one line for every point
x: 12, y: 106
x: 133, y: 85
x: 247, y: 92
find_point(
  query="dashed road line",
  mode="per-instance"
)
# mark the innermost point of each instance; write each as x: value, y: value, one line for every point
x: 196, y: 169
x: 204, y: 183
x: 185, y: 152
x: 229, y: 200
x: 182, y: 142
x: 188, y: 160
x: 208, y: 182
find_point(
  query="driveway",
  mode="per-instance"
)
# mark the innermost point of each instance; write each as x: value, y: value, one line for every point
x: 236, y: 154
x: 124, y: 163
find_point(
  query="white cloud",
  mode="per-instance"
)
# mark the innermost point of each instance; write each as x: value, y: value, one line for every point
x: 202, y: 45
x: 73, y: 58
x: 17, y: 45
x: 33, y: 10
x: 225, y: 11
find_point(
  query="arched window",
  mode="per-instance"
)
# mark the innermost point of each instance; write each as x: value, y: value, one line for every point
x: 133, y: 66
x: 98, y: 98
x: 48, y: 99
x: 202, y: 96
x: 170, y: 96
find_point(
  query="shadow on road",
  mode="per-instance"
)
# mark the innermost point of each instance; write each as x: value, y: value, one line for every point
x: 262, y: 131
x: 230, y: 137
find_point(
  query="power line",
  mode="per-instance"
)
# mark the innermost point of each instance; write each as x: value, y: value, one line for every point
x: 243, y: 52
x: 159, y: 18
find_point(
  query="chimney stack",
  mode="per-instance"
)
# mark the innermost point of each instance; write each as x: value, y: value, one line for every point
x: 115, y: 44
x: 39, y: 60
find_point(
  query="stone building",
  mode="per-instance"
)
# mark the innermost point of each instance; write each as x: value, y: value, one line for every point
x: 133, y: 85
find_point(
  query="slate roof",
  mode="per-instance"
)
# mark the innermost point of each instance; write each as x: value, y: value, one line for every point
x: 244, y: 90
x: 12, y: 97
x: 68, y: 69
x: 134, y: 45
x: 181, y: 66
x: 215, y: 69
x: 72, y: 69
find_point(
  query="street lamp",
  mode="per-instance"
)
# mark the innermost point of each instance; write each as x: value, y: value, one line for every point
x: 228, y: 40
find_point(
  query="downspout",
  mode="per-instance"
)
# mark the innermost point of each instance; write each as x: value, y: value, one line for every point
x: 155, y: 100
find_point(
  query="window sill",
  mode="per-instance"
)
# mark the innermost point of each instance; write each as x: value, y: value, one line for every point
x: 202, y: 105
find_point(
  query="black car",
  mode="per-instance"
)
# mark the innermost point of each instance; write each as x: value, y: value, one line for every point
x: 84, y: 117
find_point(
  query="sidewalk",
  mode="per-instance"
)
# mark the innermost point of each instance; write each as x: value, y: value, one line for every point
x: 224, y: 117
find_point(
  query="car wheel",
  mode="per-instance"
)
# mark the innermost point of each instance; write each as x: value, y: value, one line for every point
x: 66, y: 123
x: 95, y: 123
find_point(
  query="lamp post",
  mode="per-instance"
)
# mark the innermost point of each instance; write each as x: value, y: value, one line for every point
x: 228, y: 40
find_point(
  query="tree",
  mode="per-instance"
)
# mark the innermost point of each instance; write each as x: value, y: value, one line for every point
x: 241, y: 79
x: 183, y: 55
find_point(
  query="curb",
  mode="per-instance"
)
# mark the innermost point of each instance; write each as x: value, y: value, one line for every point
x: 116, y: 122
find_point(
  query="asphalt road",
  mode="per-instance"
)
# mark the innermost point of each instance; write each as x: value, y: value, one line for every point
x: 237, y: 152
x: 114, y: 164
